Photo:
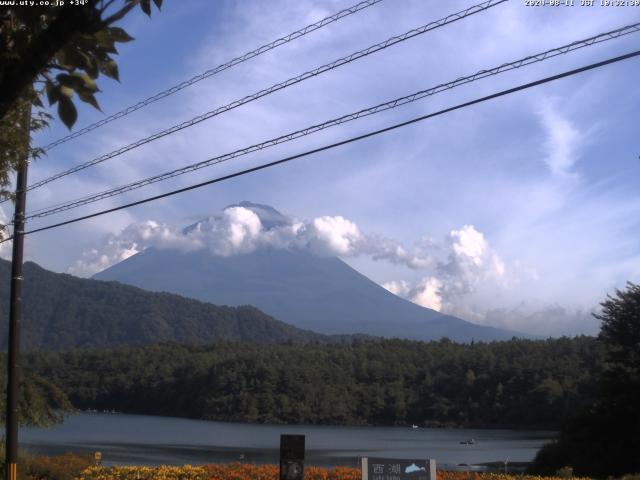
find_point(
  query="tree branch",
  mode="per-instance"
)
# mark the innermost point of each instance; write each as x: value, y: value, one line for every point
x: 121, y: 13
x: 20, y: 74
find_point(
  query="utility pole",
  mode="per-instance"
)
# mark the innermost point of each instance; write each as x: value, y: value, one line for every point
x: 15, y: 308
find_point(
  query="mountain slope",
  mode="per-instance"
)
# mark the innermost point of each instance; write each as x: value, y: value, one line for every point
x: 323, y: 294
x: 61, y: 311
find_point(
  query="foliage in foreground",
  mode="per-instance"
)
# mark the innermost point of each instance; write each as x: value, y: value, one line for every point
x: 58, y: 467
x: 72, y: 466
x: 40, y: 402
x: 238, y: 471
x: 163, y: 472
x: 59, y: 51
x: 604, y: 439
x: 66, y: 49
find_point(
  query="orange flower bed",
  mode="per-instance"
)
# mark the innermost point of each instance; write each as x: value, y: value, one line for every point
x: 450, y: 475
x: 242, y: 471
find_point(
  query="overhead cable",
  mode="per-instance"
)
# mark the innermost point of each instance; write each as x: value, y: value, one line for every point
x: 397, y: 102
x: 343, y: 142
x: 278, y: 86
x: 220, y: 68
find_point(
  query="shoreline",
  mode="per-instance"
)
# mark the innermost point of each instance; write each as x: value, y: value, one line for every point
x: 425, y: 425
x: 151, y: 440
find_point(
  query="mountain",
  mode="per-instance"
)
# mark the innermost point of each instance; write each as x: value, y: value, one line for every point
x: 61, y: 312
x: 322, y: 294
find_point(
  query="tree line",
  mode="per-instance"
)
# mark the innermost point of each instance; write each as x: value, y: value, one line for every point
x: 518, y: 383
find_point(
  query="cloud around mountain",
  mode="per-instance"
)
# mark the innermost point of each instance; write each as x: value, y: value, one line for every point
x: 455, y: 266
x: 448, y: 276
x: 245, y: 228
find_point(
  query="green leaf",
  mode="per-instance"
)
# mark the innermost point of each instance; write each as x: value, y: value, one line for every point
x: 90, y: 99
x: 72, y: 57
x: 67, y: 111
x: 119, y: 35
x: 66, y: 92
x: 53, y: 93
x: 103, y: 37
x: 105, y: 42
x: 145, y: 5
x: 92, y: 67
x: 70, y: 81
x: 79, y: 81
x: 84, y: 60
x: 88, y: 83
x: 110, y: 69
x: 110, y: 49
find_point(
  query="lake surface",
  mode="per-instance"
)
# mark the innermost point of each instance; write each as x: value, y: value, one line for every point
x: 148, y: 440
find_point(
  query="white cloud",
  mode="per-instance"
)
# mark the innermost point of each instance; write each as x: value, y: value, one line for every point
x: 468, y: 263
x: 400, y: 288
x: 471, y: 272
x: 427, y: 294
x: 543, y: 320
x: 133, y: 239
x: 468, y: 243
x: 464, y: 270
x: 466, y: 258
x: 238, y: 230
x: 562, y: 142
x: 334, y: 236
x: 380, y: 248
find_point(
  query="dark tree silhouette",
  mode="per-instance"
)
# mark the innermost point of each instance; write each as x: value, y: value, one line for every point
x: 604, y: 439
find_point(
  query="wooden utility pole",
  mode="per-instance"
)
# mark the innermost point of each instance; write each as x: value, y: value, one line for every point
x: 15, y: 308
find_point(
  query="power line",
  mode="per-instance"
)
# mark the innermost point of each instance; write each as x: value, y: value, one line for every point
x: 343, y: 142
x: 279, y: 86
x: 43, y: 212
x: 225, y: 66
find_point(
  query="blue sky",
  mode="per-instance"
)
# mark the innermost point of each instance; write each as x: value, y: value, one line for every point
x: 526, y: 207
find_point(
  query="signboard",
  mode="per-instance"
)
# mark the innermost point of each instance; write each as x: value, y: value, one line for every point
x: 291, y: 457
x: 398, y: 469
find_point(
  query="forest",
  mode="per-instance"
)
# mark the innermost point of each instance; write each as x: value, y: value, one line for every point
x: 518, y: 383
x: 63, y: 312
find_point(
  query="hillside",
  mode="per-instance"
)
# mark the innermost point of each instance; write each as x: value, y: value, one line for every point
x: 61, y: 311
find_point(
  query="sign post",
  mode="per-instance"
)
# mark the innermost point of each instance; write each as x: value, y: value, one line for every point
x: 15, y: 310
x: 398, y: 469
x: 291, y: 457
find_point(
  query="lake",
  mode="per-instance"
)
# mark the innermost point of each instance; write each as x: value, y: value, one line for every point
x: 148, y: 440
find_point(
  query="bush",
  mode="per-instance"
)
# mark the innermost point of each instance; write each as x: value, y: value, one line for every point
x: 59, y: 467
